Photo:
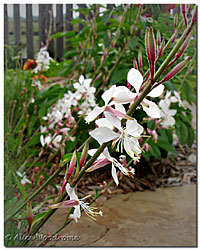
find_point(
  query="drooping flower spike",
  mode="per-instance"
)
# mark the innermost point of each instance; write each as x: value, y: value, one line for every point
x: 114, y: 96
x: 104, y: 159
x: 135, y: 78
x: 77, y: 204
x: 127, y: 138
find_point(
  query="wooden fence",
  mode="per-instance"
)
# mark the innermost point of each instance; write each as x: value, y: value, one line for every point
x: 43, y: 27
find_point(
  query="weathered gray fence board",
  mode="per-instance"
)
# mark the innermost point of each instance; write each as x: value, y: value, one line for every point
x: 44, y: 23
x: 6, y: 37
x: 17, y: 28
x: 59, y: 28
x: 110, y: 6
x: 81, y: 15
x: 43, y: 26
x: 49, y: 15
x: 29, y: 31
x: 69, y: 26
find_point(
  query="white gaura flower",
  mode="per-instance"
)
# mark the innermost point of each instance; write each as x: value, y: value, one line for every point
x: 77, y: 204
x: 43, y: 60
x: 167, y: 113
x: 177, y: 98
x: 24, y: 180
x: 135, y: 78
x: 113, y: 96
x: 83, y: 86
x: 104, y: 159
x: 46, y: 140
x: 127, y: 138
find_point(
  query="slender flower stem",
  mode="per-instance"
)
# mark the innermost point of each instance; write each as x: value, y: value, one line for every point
x: 112, y: 44
x: 124, y: 49
x: 103, y: 146
x: 35, y: 194
x: 71, y: 210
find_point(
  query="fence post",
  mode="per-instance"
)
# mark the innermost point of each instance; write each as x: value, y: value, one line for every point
x: 69, y: 26
x: 81, y: 16
x: 44, y: 21
x: 6, y: 37
x: 110, y: 6
x: 29, y: 31
x: 49, y: 17
x: 59, y: 28
x: 17, y: 27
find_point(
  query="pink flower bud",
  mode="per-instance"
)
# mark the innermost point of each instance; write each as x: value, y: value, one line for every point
x: 93, y: 64
x: 65, y: 204
x: 84, y: 155
x: 150, y: 49
x: 128, y: 85
x: 158, y: 38
x: 135, y: 63
x: 72, y: 163
x: 176, y: 69
x: 98, y: 164
x: 160, y: 50
x: 183, y: 12
x: 99, y: 75
x: 140, y: 61
x: 175, y: 20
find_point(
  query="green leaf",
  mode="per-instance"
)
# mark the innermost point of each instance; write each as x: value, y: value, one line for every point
x: 181, y: 131
x: 155, y: 149
x: 67, y: 157
x: 155, y: 8
x: 191, y: 135
x: 35, y: 140
x: 164, y: 144
x: 133, y: 43
x: 118, y: 75
x: 151, y: 124
x: 63, y: 34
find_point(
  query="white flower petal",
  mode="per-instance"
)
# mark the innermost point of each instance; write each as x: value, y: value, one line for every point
x: 134, y: 128
x: 57, y: 139
x: 171, y: 112
x: 114, y: 174
x: 116, y: 122
x: 42, y: 140
x: 120, y: 107
x: 107, y: 155
x: 91, y: 152
x: 93, y: 114
x: 77, y: 212
x: 103, y: 134
x: 108, y: 94
x: 123, y: 95
x: 77, y: 85
x: 81, y: 79
x: 135, y: 78
x: 152, y: 110
x: 104, y: 122
x: 157, y: 91
x: 71, y: 192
